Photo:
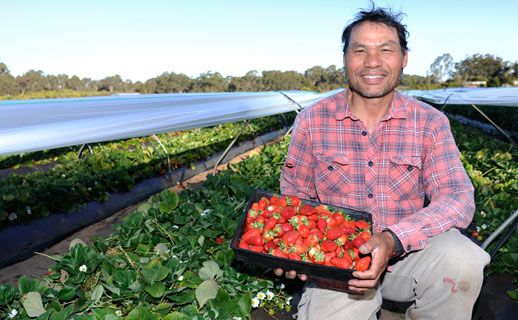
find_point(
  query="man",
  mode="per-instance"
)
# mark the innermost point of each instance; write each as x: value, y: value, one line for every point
x: 373, y: 149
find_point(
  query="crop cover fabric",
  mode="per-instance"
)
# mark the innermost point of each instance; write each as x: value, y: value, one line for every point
x: 41, y: 124
x: 500, y: 97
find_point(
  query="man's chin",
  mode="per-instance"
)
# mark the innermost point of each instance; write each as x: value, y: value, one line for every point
x: 371, y: 94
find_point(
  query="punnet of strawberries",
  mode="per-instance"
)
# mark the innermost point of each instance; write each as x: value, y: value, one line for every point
x: 286, y: 227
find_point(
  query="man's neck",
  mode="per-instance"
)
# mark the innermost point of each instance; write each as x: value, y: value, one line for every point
x: 370, y: 110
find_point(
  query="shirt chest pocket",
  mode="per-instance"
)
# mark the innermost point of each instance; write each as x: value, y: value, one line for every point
x: 332, y: 174
x: 405, y: 173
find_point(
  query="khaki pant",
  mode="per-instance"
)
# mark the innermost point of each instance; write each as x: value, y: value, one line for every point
x: 444, y: 281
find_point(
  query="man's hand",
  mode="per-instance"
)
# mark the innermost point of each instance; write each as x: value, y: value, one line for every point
x: 380, y: 246
x: 290, y: 274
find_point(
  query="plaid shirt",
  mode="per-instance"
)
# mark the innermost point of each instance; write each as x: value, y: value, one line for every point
x: 332, y: 158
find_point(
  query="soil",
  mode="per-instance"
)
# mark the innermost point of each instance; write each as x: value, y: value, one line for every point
x: 38, y: 265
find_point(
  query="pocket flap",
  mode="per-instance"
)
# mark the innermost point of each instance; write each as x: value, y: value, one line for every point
x: 336, y: 158
x: 407, y: 160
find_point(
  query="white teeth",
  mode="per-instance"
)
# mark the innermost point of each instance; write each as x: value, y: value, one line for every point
x: 372, y: 77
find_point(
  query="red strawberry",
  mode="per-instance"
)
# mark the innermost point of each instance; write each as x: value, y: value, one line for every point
x: 342, y: 240
x: 333, y: 233
x: 328, y: 256
x: 365, y: 235
x: 312, y: 240
x: 294, y: 256
x: 278, y: 253
x: 307, y: 210
x: 290, y: 237
x: 219, y: 240
x: 262, y: 203
x: 288, y: 212
x: 362, y: 224
x: 312, y: 224
x: 256, y: 248
x: 304, y: 231
x: 348, y: 245
x: 358, y: 241
x: 254, y: 232
x: 318, y: 233
x: 322, y: 224
x: 256, y: 241
x: 243, y: 245
x: 286, y: 227
x: 328, y: 245
x: 281, y: 202
x: 340, y: 262
x: 270, y: 223
x: 313, y: 217
x: 338, y: 217
x: 293, y: 201
x: 299, y: 246
x: 347, y: 229
x: 269, y: 245
x: 363, y: 263
x: 352, y: 224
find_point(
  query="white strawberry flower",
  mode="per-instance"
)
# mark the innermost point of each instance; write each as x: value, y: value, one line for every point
x: 255, y: 302
x: 118, y: 313
x: 13, y: 313
x: 261, y: 295
x: 269, y: 295
x: 180, y: 278
x: 83, y: 268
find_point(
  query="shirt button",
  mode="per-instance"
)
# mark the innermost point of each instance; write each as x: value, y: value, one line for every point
x: 408, y: 247
x: 370, y: 195
x: 330, y: 168
x: 364, y: 133
x: 370, y: 163
x: 410, y: 168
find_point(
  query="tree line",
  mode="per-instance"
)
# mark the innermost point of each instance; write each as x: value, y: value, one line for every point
x: 443, y: 73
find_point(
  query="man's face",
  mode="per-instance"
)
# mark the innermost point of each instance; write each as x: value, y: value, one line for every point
x: 374, y: 61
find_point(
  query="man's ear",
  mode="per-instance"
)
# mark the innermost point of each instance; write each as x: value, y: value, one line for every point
x: 405, y: 59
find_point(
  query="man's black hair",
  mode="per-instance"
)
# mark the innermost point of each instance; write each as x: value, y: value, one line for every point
x: 377, y: 15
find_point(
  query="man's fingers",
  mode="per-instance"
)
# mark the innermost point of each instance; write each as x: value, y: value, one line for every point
x: 278, y: 272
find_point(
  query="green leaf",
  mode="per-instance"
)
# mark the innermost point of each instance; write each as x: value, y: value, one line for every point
x: 156, y: 290
x: 155, y: 274
x: 140, y: 313
x: 210, y: 270
x: 184, y: 297
x: 32, y: 304
x: 163, y: 308
x: 6, y: 294
x: 168, y: 201
x: 63, y: 314
x: 66, y: 293
x: 176, y: 316
x: 208, y: 289
x: 245, y: 304
x: 97, y: 293
x: 142, y: 249
x: 26, y: 285
x: 513, y: 294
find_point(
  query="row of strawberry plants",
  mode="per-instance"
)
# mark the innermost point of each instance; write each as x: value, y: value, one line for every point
x: 170, y: 259
x: 114, y: 167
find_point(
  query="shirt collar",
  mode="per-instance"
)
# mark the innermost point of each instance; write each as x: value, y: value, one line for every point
x: 397, y: 109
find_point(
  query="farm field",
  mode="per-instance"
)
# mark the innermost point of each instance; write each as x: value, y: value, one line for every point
x: 170, y: 258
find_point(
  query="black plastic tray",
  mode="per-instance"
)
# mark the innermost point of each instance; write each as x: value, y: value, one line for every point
x: 325, y: 276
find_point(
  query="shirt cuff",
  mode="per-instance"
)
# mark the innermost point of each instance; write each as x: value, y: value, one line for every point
x: 398, y: 247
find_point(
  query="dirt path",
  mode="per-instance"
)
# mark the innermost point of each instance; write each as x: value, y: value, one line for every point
x: 38, y: 265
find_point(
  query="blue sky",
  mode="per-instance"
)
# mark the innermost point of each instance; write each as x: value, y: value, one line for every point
x: 142, y: 39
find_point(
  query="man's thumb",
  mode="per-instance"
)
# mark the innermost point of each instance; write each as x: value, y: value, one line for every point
x: 364, y: 249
